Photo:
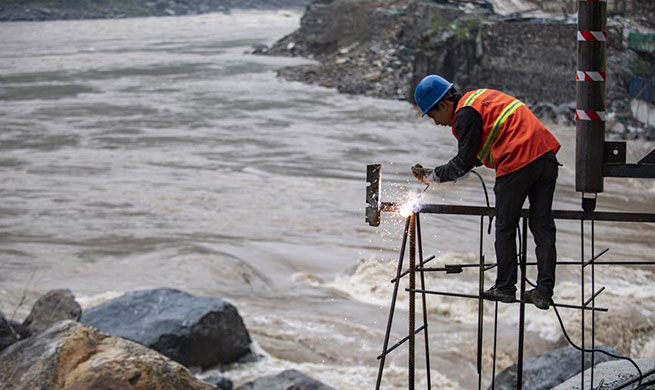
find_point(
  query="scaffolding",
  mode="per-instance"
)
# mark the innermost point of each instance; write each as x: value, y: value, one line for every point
x: 412, y: 233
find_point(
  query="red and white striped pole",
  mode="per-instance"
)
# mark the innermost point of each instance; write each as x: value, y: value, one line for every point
x: 590, y: 79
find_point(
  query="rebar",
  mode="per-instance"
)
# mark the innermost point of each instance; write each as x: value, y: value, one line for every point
x: 524, y: 245
x: 412, y: 301
x: 392, y: 308
x: 424, y: 301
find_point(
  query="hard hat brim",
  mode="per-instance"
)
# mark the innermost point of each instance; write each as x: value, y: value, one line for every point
x: 438, y: 99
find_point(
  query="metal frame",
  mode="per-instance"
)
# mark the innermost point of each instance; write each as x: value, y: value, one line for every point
x: 412, y: 229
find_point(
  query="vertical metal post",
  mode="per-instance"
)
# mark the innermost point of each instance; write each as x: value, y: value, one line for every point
x: 481, y: 303
x: 593, y: 301
x: 582, y: 315
x: 493, y: 367
x: 524, y: 247
x: 412, y: 300
x: 392, y: 307
x: 590, y: 110
x: 425, y: 307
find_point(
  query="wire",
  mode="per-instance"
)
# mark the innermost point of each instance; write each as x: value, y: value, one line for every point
x: 486, y: 197
x: 561, y: 323
x: 566, y: 335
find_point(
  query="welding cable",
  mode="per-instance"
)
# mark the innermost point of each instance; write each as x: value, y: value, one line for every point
x: 645, y: 385
x: 566, y: 335
x: 561, y: 323
x: 486, y: 197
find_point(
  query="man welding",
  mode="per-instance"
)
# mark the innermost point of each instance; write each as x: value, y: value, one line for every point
x: 497, y: 130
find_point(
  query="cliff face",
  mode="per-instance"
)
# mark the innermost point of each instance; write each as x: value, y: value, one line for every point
x: 383, y: 49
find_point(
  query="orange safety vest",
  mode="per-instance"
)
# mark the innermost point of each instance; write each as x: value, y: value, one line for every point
x: 512, y: 136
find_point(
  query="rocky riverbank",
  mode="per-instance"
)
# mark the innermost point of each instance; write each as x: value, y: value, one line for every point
x: 38, y: 10
x: 141, y: 340
x: 383, y: 48
x: 158, y: 338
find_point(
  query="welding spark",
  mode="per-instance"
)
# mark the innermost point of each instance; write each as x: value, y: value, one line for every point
x: 411, y: 205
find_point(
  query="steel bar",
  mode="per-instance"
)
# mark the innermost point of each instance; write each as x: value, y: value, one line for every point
x: 480, y: 303
x: 412, y: 302
x: 582, y: 313
x: 593, y: 297
x: 607, y: 216
x: 594, y: 258
x: 471, y: 296
x: 642, y: 171
x: 491, y: 265
x: 418, y: 269
x: 493, y: 364
x: 519, y: 364
x: 393, y: 306
x: 399, y: 343
x: 424, y: 301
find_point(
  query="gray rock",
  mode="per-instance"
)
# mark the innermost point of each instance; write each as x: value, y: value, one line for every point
x: 220, y: 382
x: 54, y: 306
x: 612, y: 374
x: 286, y: 380
x: 195, y: 331
x: 8, y: 335
x: 550, y: 369
x: 70, y: 356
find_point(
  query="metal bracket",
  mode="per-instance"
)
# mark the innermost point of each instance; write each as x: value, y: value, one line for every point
x: 648, y: 159
x: 614, y: 152
x: 614, y: 162
x: 373, y: 201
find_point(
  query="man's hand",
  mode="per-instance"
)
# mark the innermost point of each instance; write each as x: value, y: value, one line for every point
x: 424, y: 175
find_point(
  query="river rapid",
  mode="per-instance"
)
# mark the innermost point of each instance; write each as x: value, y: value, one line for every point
x: 155, y: 152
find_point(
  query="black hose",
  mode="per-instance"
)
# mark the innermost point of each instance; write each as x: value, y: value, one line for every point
x: 486, y: 197
x: 645, y: 385
x: 566, y: 335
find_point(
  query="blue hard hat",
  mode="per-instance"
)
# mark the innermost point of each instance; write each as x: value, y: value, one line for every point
x: 430, y: 90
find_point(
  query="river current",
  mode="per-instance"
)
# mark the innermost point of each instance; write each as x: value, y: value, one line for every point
x: 155, y: 152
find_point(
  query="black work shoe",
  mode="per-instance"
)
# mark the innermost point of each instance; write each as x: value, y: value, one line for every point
x: 495, y: 294
x: 533, y: 296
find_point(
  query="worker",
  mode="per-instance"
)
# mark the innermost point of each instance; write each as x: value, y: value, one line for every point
x: 499, y: 131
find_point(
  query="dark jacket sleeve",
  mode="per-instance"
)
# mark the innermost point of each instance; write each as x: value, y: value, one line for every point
x: 468, y: 126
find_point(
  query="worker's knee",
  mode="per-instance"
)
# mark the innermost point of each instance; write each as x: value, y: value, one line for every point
x: 542, y: 227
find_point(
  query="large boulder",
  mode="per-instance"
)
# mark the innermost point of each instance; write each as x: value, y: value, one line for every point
x: 71, y: 356
x: 286, y: 380
x: 54, y: 306
x: 611, y: 374
x: 195, y: 331
x: 550, y: 369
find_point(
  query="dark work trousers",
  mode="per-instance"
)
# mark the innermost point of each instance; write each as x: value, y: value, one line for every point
x: 536, y: 181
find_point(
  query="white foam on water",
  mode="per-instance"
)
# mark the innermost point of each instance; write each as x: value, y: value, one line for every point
x: 345, y: 377
x: 89, y: 301
x: 625, y: 290
x: 370, y: 283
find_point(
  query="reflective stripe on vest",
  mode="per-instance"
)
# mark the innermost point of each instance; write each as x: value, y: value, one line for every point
x: 474, y: 96
x: 485, y: 151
